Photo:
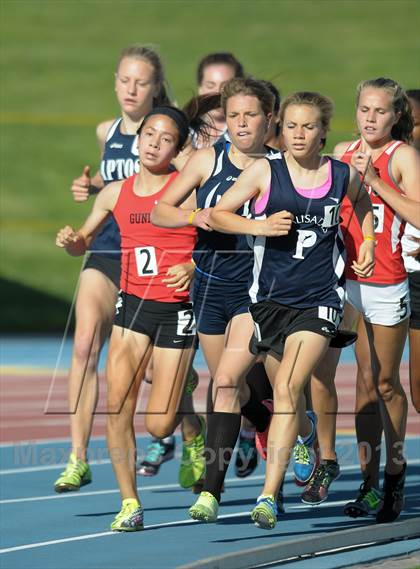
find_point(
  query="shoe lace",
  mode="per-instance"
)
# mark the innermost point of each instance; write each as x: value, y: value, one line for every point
x: 301, y: 454
x: 125, y: 511
x: 72, y: 469
x: 154, y: 451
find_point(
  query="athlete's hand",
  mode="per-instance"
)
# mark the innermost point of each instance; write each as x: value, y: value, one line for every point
x: 416, y: 252
x: 68, y: 239
x: 80, y: 186
x: 363, y: 164
x: 66, y: 236
x: 180, y: 276
x: 201, y: 219
x: 365, y: 263
x: 276, y: 225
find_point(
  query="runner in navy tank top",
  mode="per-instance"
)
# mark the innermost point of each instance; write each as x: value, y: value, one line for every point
x: 295, y: 284
x: 223, y: 264
x: 138, y: 86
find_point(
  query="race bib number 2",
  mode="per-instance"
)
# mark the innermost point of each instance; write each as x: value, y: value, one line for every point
x: 146, y: 261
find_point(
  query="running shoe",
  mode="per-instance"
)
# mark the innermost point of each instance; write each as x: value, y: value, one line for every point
x: 76, y: 474
x: 193, y: 462
x: 192, y: 382
x: 205, y: 509
x: 158, y: 452
x: 261, y: 439
x: 304, y: 455
x: 130, y: 518
x: 366, y: 504
x: 246, y: 458
x: 264, y: 515
x: 316, y: 491
x: 393, y: 497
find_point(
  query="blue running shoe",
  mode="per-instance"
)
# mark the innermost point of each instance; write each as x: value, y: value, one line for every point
x: 158, y: 452
x: 304, y: 455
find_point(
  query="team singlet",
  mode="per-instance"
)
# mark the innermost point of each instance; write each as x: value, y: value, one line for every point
x: 148, y: 251
x: 120, y: 160
x: 222, y: 256
x: 305, y: 268
x: 389, y: 227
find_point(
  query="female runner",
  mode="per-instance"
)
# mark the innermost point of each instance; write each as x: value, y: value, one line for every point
x: 150, y: 317
x: 390, y: 168
x: 295, y: 287
x: 139, y: 85
x: 224, y: 263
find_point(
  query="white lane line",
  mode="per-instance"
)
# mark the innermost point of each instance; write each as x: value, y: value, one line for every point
x: 82, y: 494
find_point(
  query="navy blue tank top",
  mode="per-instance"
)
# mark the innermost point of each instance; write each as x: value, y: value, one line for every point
x: 304, y: 269
x: 219, y: 255
x: 120, y: 160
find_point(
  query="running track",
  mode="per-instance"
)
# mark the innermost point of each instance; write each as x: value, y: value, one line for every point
x: 44, y: 530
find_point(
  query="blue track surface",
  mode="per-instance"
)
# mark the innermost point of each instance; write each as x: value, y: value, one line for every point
x: 40, y: 524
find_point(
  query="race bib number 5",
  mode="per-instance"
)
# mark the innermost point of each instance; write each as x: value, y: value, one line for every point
x: 146, y: 261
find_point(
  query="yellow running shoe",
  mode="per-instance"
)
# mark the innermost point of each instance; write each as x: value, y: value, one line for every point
x: 264, y: 515
x: 205, y: 509
x: 130, y: 518
x: 193, y: 463
x: 77, y: 474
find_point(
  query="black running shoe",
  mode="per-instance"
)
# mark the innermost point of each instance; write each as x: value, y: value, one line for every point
x: 393, y: 493
x: 316, y: 491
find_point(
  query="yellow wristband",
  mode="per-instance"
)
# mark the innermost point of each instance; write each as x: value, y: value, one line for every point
x: 192, y: 215
x: 369, y: 238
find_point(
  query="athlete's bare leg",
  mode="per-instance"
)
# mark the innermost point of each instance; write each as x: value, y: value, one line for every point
x: 230, y: 391
x: 324, y: 393
x: 95, y: 309
x: 367, y: 414
x: 414, y: 339
x: 128, y: 356
x: 170, y: 371
x: 387, y: 345
x: 303, y: 351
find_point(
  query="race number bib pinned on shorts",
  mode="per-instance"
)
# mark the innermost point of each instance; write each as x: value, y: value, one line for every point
x: 186, y: 323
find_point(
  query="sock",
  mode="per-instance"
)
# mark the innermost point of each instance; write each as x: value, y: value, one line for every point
x: 222, y: 432
x: 209, y: 402
x: 256, y: 412
x: 167, y: 440
x: 259, y: 383
x: 247, y: 434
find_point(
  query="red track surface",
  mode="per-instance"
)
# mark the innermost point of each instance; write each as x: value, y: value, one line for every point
x: 24, y: 397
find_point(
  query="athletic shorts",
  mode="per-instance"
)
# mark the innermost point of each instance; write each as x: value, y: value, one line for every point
x: 414, y: 283
x: 167, y: 324
x: 273, y: 323
x: 110, y: 267
x: 385, y: 304
x: 216, y: 302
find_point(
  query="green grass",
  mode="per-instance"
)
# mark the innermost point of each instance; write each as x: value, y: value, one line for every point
x: 57, y: 64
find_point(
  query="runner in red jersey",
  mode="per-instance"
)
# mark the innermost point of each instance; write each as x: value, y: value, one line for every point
x: 150, y: 317
x: 389, y: 167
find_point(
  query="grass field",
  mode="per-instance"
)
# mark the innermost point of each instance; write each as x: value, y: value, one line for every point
x: 57, y: 64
